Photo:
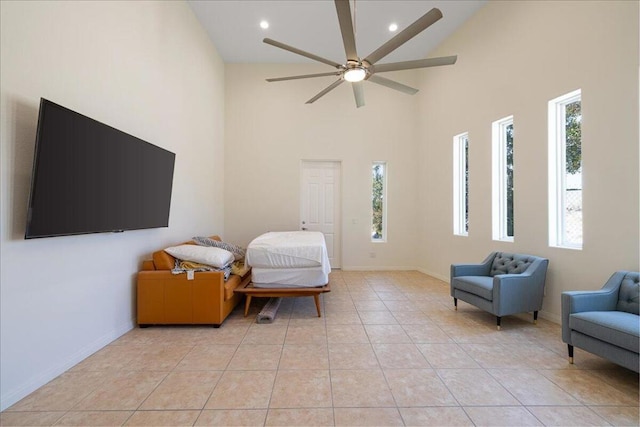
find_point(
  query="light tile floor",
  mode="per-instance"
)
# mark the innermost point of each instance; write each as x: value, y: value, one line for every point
x: 389, y: 350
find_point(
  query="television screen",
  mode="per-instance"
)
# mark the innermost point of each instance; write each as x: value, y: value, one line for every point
x: 90, y: 178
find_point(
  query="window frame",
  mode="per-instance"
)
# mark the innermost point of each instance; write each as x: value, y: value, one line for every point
x: 385, y: 173
x: 499, y: 209
x: 557, y: 170
x: 461, y: 184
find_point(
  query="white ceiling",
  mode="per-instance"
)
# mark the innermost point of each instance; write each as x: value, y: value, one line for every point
x: 312, y: 26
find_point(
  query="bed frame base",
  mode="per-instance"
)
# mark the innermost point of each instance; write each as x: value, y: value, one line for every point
x: 250, y: 291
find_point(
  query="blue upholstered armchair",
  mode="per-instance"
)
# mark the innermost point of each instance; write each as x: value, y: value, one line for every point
x: 503, y: 284
x: 605, y: 322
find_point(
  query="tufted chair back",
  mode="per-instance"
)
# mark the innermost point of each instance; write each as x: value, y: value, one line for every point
x: 507, y: 263
x: 629, y: 293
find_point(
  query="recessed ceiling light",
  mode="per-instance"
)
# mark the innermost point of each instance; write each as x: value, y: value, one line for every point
x: 264, y: 25
x: 393, y: 27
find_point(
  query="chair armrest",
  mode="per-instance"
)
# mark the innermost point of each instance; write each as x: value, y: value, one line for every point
x: 517, y: 293
x: 604, y: 299
x: 147, y: 265
x: 481, y: 269
x: 581, y: 301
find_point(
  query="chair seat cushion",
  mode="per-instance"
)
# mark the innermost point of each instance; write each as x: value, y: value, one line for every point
x: 615, y: 327
x: 481, y: 286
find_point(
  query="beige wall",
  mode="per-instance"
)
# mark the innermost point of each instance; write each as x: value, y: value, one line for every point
x: 270, y: 130
x: 513, y: 57
x: 147, y: 68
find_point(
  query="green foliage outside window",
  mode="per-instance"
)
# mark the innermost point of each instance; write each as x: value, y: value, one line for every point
x: 377, y: 200
x: 510, y: 222
x: 573, y: 132
x: 466, y: 185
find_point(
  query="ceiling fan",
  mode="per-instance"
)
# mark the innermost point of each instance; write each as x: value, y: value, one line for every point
x: 356, y: 70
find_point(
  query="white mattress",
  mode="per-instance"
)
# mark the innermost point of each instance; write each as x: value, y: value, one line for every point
x: 309, y: 277
x: 288, y: 249
x: 289, y: 259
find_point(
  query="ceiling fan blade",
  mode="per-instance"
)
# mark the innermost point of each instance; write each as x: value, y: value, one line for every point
x: 405, y: 35
x: 358, y: 92
x: 325, y: 91
x: 304, y: 76
x: 420, y: 63
x: 393, y: 84
x: 301, y: 52
x: 346, y: 28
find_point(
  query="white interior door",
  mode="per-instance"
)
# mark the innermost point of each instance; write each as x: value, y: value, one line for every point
x: 320, y: 204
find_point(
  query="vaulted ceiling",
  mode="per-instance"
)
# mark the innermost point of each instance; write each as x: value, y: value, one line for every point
x: 312, y: 25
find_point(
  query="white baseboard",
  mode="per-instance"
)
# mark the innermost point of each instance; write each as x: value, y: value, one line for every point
x: 432, y: 274
x: 551, y: 317
x: 40, y: 379
x: 376, y: 268
x: 395, y: 268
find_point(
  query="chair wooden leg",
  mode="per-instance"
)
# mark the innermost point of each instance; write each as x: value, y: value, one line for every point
x: 570, y: 348
x: 498, y: 318
x: 535, y: 317
x: 455, y: 304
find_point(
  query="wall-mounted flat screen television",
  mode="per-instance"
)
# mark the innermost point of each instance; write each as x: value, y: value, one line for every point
x: 89, y: 178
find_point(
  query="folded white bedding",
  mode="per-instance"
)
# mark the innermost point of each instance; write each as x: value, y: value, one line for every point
x: 288, y: 249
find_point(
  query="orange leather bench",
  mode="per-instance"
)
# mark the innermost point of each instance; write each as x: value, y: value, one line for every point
x: 164, y: 298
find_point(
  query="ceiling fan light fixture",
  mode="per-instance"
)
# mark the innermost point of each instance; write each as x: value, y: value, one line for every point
x: 355, y: 70
x: 355, y: 74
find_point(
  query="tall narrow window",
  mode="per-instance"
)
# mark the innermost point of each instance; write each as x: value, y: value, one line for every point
x: 502, y: 193
x: 565, y: 171
x: 461, y: 184
x: 378, y: 202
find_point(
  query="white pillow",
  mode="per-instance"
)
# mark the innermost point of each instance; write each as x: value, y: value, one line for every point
x: 215, y: 257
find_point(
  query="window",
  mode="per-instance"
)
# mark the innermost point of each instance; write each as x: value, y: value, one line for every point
x: 502, y: 194
x: 378, y: 202
x: 461, y: 184
x: 565, y: 171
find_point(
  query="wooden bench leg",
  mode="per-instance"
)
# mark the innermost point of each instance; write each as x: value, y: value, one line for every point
x: 316, y: 298
x: 246, y: 305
